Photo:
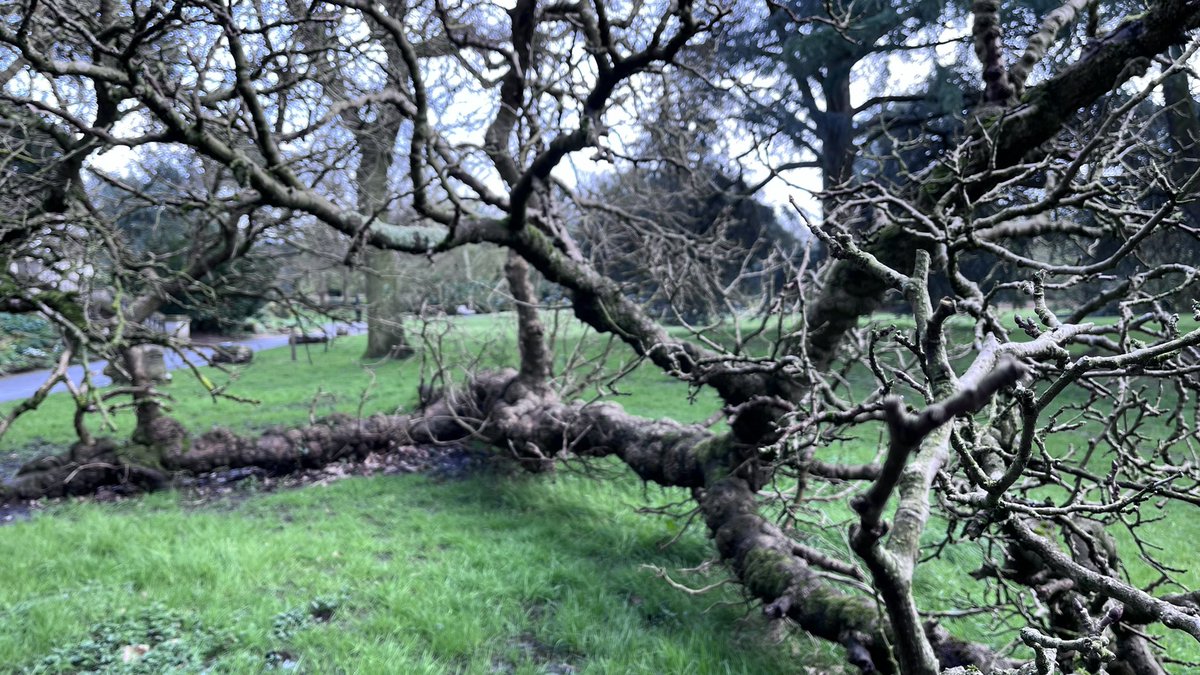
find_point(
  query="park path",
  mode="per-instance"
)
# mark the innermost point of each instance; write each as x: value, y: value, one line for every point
x: 23, y: 385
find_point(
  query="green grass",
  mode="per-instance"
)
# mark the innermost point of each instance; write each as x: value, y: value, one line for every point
x: 514, y: 575
x: 336, y: 380
x: 463, y: 576
x: 509, y: 574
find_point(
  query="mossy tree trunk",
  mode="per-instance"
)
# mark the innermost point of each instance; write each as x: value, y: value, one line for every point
x: 147, y: 408
x: 376, y: 141
x: 385, y: 325
x: 535, y: 357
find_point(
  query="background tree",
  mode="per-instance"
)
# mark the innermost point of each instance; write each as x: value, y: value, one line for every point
x: 679, y: 227
x: 166, y: 237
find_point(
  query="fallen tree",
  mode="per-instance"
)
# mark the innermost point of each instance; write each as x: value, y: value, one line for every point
x: 1028, y: 169
x: 503, y: 411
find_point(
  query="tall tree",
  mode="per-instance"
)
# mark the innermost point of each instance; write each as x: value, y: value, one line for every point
x: 682, y: 227
x: 375, y: 127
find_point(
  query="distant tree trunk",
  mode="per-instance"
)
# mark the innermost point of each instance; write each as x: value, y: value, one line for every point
x: 836, y: 128
x: 1183, y: 124
x: 1183, y: 128
x: 385, y: 329
x: 135, y: 362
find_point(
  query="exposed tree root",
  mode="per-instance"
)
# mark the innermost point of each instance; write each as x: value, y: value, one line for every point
x: 83, y: 470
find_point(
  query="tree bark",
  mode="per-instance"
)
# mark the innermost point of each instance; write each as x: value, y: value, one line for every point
x: 385, y: 325
x: 376, y: 140
x: 147, y: 409
x: 531, y: 334
x: 1183, y: 124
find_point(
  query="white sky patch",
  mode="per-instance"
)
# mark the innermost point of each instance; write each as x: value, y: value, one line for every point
x: 115, y: 160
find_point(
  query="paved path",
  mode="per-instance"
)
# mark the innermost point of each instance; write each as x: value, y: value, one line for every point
x: 23, y: 385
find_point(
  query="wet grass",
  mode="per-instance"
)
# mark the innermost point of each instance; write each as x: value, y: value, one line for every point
x: 512, y: 574
x: 478, y: 576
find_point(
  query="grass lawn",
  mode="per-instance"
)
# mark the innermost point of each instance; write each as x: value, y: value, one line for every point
x: 520, y: 575
x: 336, y: 380
x: 412, y: 574
x: 478, y: 576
